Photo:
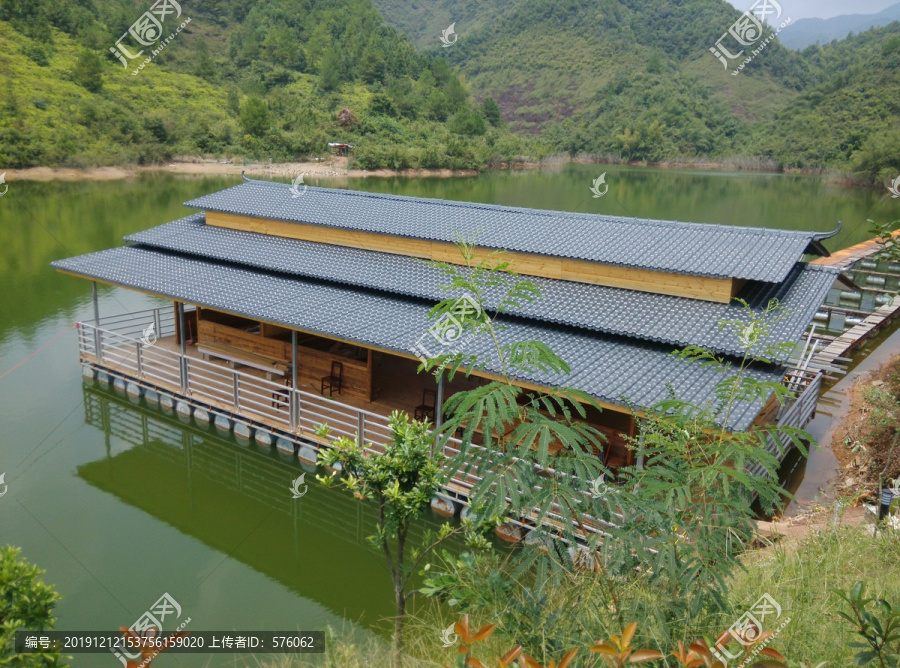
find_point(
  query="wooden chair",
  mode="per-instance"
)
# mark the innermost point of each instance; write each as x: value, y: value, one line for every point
x: 615, y: 460
x: 334, y: 380
x: 280, y: 397
x: 428, y: 407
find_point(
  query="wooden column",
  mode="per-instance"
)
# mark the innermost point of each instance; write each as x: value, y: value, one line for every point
x: 369, y: 367
x: 632, y: 431
x: 96, y: 304
x: 439, y: 408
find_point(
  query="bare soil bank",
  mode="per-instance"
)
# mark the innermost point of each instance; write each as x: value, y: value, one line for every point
x: 863, y: 442
x: 337, y: 167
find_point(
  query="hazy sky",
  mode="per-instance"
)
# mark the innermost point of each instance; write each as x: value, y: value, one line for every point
x: 823, y: 9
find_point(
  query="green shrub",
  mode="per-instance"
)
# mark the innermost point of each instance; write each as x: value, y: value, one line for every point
x: 255, y: 118
x: 26, y: 603
x: 88, y: 72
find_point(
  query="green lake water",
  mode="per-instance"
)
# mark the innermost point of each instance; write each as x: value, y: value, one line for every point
x: 121, y: 503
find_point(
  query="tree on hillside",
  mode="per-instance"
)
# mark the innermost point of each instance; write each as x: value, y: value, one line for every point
x: 467, y: 121
x: 88, y: 71
x: 283, y: 48
x: 255, y: 117
x: 382, y: 105
x: 206, y: 68
x: 491, y: 111
x: 330, y: 71
x: 371, y: 65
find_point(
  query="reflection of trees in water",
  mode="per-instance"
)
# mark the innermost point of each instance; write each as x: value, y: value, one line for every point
x: 43, y: 222
x: 755, y: 199
x: 237, y: 499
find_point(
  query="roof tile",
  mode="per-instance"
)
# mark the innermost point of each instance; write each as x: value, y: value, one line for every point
x: 690, y: 248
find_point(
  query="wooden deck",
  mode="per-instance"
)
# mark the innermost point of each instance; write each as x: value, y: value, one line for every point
x: 247, y: 396
x: 837, y: 350
x: 398, y: 385
x: 853, y: 254
x: 842, y: 346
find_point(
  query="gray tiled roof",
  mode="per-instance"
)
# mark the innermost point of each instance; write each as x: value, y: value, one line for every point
x: 688, y: 248
x: 606, y: 367
x: 674, y: 320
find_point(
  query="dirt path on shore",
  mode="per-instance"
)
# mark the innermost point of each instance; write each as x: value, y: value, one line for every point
x: 330, y: 168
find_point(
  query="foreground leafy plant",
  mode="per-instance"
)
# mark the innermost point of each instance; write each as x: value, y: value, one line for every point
x: 888, y: 248
x: 468, y: 637
x: 681, y: 519
x: 617, y: 651
x: 26, y: 603
x: 401, y: 481
x: 530, y: 662
x: 674, y: 524
x: 525, y: 433
x: 879, y: 629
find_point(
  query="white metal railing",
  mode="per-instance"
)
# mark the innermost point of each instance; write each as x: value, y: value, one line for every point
x: 134, y: 325
x: 799, y: 412
x: 796, y: 414
x: 242, y: 394
x: 293, y: 410
x: 225, y: 388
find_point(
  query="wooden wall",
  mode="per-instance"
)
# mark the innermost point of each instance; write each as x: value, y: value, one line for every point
x: 667, y: 283
x: 312, y: 365
x: 252, y: 343
x: 316, y: 364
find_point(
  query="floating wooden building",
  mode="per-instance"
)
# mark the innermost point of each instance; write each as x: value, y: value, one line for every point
x: 292, y: 308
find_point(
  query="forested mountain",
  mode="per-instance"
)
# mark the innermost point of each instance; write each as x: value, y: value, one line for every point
x: 807, y: 32
x: 623, y: 79
x: 276, y: 78
x: 546, y: 60
x: 849, y: 116
x: 634, y: 79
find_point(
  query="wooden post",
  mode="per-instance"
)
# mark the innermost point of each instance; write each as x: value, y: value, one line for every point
x: 294, y: 404
x: 634, y: 429
x: 181, y: 339
x: 96, y: 304
x: 157, y: 325
x: 439, y: 410
x: 369, y: 368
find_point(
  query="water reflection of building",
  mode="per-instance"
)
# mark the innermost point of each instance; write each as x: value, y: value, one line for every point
x: 237, y: 500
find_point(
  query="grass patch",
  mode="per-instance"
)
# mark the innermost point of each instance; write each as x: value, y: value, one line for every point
x: 801, y: 581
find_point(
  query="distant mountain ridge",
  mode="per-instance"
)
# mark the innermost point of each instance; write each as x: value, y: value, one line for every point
x: 806, y: 32
x: 635, y: 80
